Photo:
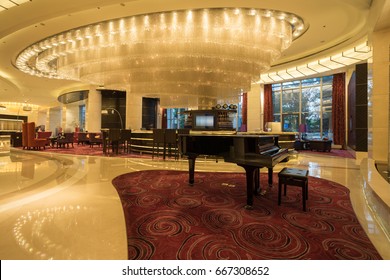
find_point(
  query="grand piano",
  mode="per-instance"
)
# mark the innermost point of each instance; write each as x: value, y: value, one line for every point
x: 251, y: 152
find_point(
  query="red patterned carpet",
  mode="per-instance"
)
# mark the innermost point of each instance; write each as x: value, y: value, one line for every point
x: 168, y: 219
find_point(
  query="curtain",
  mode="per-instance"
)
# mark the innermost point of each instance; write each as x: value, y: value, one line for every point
x: 244, y: 111
x: 338, y: 109
x: 268, y: 106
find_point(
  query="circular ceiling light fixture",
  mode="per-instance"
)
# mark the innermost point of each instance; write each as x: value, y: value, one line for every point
x: 207, y: 52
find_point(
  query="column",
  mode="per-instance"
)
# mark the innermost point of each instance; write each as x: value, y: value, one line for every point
x: 47, y: 123
x: 93, y: 119
x: 379, y: 124
x: 133, y: 111
x: 255, y: 112
x: 63, y: 119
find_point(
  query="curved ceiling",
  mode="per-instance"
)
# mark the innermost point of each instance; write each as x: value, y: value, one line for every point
x: 332, y: 24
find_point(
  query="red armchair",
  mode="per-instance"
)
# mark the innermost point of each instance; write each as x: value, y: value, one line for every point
x: 45, y: 135
x: 65, y: 139
x: 29, y: 140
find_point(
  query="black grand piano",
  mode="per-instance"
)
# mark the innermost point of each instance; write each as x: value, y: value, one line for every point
x: 251, y: 152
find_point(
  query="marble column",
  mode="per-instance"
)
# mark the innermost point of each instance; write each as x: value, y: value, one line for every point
x: 133, y: 111
x: 93, y: 119
x: 47, y: 123
x: 379, y: 98
x: 63, y: 119
x: 255, y: 111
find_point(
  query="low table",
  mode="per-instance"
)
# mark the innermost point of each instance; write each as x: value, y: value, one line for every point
x: 301, y: 145
x: 317, y: 145
x: 320, y: 145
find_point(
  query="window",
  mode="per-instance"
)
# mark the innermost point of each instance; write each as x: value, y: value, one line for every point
x: 175, y: 119
x: 82, y: 117
x: 307, y: 102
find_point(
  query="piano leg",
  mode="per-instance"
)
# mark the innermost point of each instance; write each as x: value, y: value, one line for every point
x: 251, y: 181
x: 191, y: 167
x: 257, y: 181
x: 270, y: 181
x: 270, y: 173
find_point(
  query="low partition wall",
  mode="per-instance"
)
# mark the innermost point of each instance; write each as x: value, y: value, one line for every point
x: 16, y: 137
x: 377, y: 193
x: 5, y: 144
x: 142, y: 141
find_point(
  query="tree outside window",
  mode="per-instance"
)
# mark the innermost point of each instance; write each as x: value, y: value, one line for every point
x: 307, y: 101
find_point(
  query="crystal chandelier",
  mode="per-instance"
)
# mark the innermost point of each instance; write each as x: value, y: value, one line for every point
x: 206, y: 52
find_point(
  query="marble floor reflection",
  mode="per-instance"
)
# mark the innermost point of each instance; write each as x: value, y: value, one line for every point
x: 64, y: 207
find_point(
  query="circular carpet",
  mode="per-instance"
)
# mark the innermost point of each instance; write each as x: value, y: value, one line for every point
x: 168, y: 219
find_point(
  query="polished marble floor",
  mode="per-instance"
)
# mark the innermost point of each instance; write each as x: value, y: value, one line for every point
x: 64, y: 207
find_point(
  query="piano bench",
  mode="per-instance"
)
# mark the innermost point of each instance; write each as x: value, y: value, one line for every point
x: 294, y: 177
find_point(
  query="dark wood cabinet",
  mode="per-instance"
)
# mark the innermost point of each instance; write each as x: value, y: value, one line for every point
x: 209, y: 119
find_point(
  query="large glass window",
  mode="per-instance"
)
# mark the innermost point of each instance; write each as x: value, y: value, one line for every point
x: 82, y: 117
x: 175, y: 119
x: 290, y: 122
x: 290, y: 99
x: 306, y: 102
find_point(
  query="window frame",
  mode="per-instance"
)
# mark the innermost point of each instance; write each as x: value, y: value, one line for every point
x: 279, y: 88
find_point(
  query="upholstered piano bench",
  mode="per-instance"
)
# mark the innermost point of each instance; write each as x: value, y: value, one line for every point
x: 294, y: 177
